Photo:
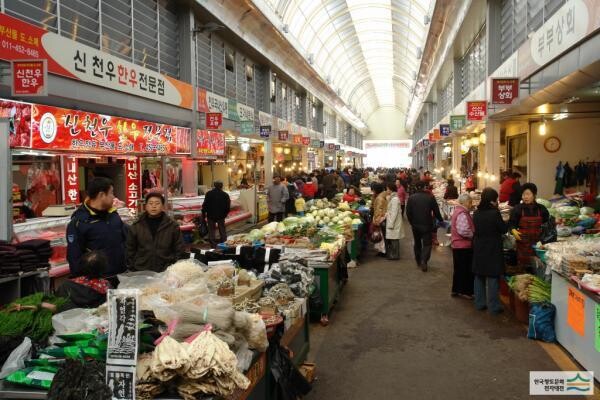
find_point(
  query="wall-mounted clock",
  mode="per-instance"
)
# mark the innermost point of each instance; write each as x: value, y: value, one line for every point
x: 552, y: 144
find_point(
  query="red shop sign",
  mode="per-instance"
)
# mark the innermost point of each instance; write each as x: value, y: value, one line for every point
x: 133, y: 184
x: 30, y: 78
x: 476, y: 110
x: 306, y: 140
x: 331, y: 146
x: 56, y: 128
x: 70, y: 179
x: 210, y: 143
x: 297, y: 139
x: 283, y: 135
x: 214, y: 120
x: 505, y: 90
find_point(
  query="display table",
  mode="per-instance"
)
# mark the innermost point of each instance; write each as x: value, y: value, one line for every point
x: 577, y: 310
x: 328, y: 282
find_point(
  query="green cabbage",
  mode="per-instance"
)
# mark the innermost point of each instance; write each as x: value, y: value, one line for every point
x: 544, y: 202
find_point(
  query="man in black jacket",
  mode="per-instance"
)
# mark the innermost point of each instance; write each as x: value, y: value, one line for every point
x: 96, y: 225
x: 420, y: 210
x: 215, y: 208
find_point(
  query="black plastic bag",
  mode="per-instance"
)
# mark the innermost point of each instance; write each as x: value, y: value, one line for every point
x: 315, y: 301
x: 549, y: 233
x: 202, y: 226
x: 291, y: 384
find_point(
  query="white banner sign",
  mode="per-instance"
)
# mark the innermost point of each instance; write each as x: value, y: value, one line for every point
x: 245, y: 113
x: 265, y: 119
x: 217, y: 104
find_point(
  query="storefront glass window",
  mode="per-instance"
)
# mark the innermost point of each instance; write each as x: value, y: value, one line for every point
x: 36, y: 184
x: 517, y: 154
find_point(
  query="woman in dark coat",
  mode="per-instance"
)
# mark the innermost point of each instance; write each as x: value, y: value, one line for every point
x: 488, y: 259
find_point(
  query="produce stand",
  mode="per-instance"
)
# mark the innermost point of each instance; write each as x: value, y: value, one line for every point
x: 570, y: 313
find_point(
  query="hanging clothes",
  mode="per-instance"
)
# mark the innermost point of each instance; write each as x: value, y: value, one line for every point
x: 558, y: 178
x: 581, y: 171
x: 569, y: 178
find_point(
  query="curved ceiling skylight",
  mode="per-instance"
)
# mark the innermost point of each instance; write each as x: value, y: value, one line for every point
x: 368, y: 51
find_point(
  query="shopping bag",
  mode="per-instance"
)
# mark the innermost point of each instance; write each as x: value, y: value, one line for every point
x: 375, y: 235
x: 541, y: 322
x: 202, y: 227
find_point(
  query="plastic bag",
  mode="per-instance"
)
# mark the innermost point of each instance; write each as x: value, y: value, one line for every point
x: 138, y: 279
x: 16, y: 359
x: 244, y: 356
x: 541, y: 322
x: 291, y: 384
x: 549, y: 233
x: 76, y: 320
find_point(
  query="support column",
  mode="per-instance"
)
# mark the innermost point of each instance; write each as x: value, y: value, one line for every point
x: 456, y: 155
x: 492, y: 152
x: 268, y: 164
x: 190, y: 176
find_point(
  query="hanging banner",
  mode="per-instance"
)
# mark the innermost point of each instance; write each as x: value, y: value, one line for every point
x: 214, y: 120
x: 306, y: 140
x: 337, y: 146
x: 20, y: 40
x: 316, y: 143
x: 476, y: 110
x: 265, y: 131
x: 29, y: 78
x: 321, y: 144
x: 70, y: 179
x: 19, y: 122
x: 297, y: 139
x: 505, y: 90
x: 265, y: 119
x: 283, y: 136
x: 331, y: 146
x: 210, y: 143
x: 457, y: 122
x: 133, y: 184
x: 445, y: 130
x: 245, y: 113
x: 232, y: 110
x: 123, y: 311
x: 56, y: 128
x: 246, y: 127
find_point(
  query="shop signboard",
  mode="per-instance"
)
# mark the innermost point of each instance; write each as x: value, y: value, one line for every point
x: 246, y: 127
x: 306, y: 140
x: 133, y: 184
x: 56, y: 128
x: 331, y: 146
x: 265, y: 119
x: 214, y: 120
x: 445, y: 130
x: 283, y: 125
x: 337, y: 147
x: 123, y: 311
x: 297, y: 139
x: 245, y: 113
x: 210, y: 143
x: 576, y: 311
x: 505, y: 90
x: 232, y: 110
x: 70, y: 179
x: 457, y: 122
x: 21, y: 40
x: 316, y: 143
x: 283, y: 136
x: 121, y: 379
x: 321, y: 144
x: 476, y: 110
x: 29, y: 78
x: 265, y: 131
x: 19, y: 118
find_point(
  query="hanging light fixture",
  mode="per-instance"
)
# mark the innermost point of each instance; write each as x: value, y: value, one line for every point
x: 245, y: 146
x: 475, y: 141
x: 542, y: 129
x: 482, y: 138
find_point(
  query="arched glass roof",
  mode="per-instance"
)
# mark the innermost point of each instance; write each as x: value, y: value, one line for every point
x: 367, y: 50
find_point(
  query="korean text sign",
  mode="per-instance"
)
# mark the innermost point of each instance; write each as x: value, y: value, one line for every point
x: 504, y: 90
x: 210, y: 143
x: 283, y: 136
x: 476, y: 110
x: 30, y: 78
x: 297, y: 139
x: 70, y: 180
x: 214, y: 120
x: 306, y: 140
x: 20, y: 40
x: 133, y: 184
x: 56, y: 128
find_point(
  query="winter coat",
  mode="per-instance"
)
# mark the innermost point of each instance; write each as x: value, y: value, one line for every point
x: 528, y: 210
x: 379, y: 207
x: 506, y: 189
x: 488, y: 257
x: 277, y: 196
x: 216, y: 205
x: 451, y: 193
x: 393, y: 218
x: 402, y: 195
x: 421, y: 208
x: 339, y: 183
x: 148, y: 253
x: 461, y: 240
x: 90, y: 230
x: 309, y: 190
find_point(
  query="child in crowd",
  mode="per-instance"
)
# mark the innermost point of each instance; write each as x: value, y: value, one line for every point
x: 300, y: 204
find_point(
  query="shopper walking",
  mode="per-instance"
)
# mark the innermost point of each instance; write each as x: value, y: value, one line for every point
x: 402, y: 194
x: 525, y: 223
x: 215, y: 208
x: 154, y: 241
x: 379, y: 211
x: 488, y: 259
x: 277, y: 197
x: 421, y: 209
x: 96, y: 225
x: 462, y: 232
x: 339, y: 182
x: 393, y: 223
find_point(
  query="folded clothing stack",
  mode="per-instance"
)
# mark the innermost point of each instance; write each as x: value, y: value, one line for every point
x: 34, y: 253
x: 9, y: 261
